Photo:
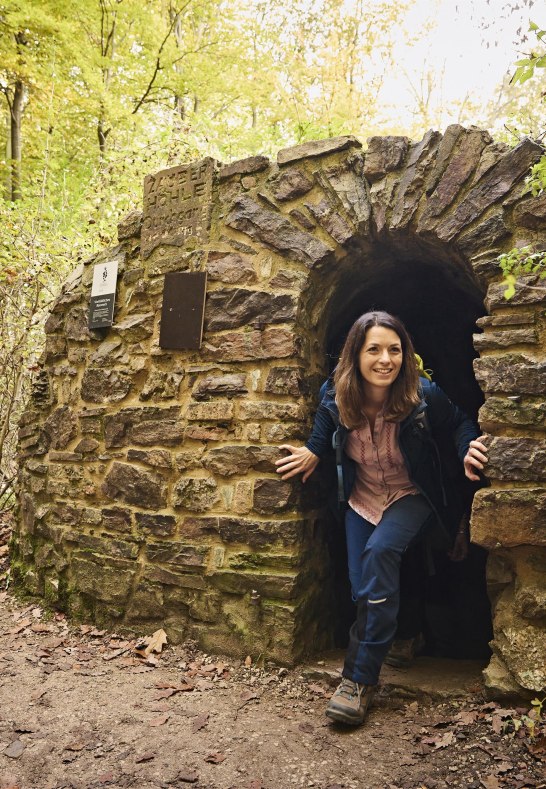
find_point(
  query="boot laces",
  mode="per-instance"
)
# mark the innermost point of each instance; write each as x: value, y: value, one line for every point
x: 348, y: 689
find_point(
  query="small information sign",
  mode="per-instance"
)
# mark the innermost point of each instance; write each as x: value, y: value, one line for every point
x: 103, y: 295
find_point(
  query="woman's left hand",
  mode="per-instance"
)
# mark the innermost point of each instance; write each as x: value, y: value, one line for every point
x: 475, y: 458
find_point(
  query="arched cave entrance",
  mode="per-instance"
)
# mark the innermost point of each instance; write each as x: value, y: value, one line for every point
x: 439, y: 300
x: 148, y: 491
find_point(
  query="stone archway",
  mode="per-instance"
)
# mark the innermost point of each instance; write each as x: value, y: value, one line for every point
x: 148, y: 493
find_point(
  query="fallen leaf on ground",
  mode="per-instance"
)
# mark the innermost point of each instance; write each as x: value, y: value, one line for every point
x: 490, y: 782
x: 163, y: 694
x: 160, y: 720
x: 14, y: 749
x: 215, y: 758
x: 466, y: 717
x: 440, y: 742
x: 306, y: 727
x: 538, y: 747
x: 504, y: 767
x: 147, y: 756
x: 248, y: 661
x: 200, y: 722
x: 153, y: 643
x: 317, y: 689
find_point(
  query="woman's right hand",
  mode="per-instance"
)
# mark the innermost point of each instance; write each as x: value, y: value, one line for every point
x: 300, y: 461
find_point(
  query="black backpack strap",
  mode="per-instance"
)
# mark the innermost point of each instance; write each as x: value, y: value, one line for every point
x: 337, y: 444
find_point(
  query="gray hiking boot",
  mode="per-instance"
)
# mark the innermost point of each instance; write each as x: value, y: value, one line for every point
x: 350, y: 702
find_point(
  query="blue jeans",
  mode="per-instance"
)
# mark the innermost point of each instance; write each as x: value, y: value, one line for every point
x: 375, y: 554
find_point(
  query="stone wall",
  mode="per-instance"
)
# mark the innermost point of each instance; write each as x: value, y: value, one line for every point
x: 148, y: 495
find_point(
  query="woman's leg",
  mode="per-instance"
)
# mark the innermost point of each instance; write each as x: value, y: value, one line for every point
x: 358, y: 531
x: 378, y: 594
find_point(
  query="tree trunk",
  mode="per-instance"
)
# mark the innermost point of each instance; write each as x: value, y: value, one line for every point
x: 16, y: 141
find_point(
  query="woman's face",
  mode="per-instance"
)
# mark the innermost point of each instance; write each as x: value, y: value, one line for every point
x: 380, y: 358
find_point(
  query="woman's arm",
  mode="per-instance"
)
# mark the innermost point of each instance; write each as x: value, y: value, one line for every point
x: 446, y: 416
x: 304, y: 460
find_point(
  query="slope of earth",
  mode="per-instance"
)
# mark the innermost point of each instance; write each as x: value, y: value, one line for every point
x: 82, y: 708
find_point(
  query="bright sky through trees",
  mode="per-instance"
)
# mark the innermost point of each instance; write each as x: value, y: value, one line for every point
x: 454, y: 58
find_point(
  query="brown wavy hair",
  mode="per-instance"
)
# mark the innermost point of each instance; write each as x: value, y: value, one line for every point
x: 403, y: 394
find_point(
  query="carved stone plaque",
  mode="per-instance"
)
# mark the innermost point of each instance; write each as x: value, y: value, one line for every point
x: 177, y: 205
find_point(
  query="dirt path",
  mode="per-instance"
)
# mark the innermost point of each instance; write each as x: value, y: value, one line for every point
x: 79, y: 708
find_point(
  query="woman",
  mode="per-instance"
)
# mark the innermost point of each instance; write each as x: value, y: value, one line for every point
x: 381, y: 415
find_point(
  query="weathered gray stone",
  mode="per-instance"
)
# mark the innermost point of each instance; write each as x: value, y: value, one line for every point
x: 517, y: 459
x: 497, y: 412
x: 448, y: 143
x: 253, y: 164
x: 64, y: 457
x: 198, y: 494
x: 302, y: 219
x: 55, y: 346
x: 412, y: 182
x: 332, y: 221
x: 134, y: 486
x: 105, y: 386
x: 511, y: 373
x: 60, y: 427
x: 456, y: 174
x: 210, y: 411
x: 160, y: 525
x: 117, y: 427
x: 86, y: 445
x: 54, y: 323
x: 316, y: 148
x: 230, y: 460
x: 276, y: 231
x: 520, y: 644
x: 75, y: 327
x: 109, y: 353
x: 289, y: 184
x: 259, y: 410
x: 499, y: 682
x: 104, y: 546
x: 494, y: 185
x: 531, y: 213
x: 529, y: 290
x: 108, y: 582
x: 136, y: 327
x: 530, y: 587
x: 230, y: 385
x: 130, y: 225
x: 272, y: 343
x: 491, y: 155
x: 383, y: 155
x: 228, y: 309
x: 177, y: 553
x: 512, y: 319
x: 116, y: 519
x: 505, y: 338
x: 347, y: 184
x: 163, y: 431
x: 231, y: 268
x: 161, y: 385
x: 158, y: 458
x: 277, y: 586
x: 509, y: 517
x: 273, y: 495
x: 286, y: 380
x: 190, y: 459
x: 261, y: 534
x: 484, y: 236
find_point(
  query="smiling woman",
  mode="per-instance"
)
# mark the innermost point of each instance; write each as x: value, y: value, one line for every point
x: 373, y: 410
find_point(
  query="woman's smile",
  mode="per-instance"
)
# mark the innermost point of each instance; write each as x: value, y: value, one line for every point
x: 381, y: 356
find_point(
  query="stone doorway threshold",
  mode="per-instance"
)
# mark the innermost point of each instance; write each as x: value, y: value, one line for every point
x: 429, y: 677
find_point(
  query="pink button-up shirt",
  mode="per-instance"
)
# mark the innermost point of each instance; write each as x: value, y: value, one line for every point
x: 381, y: 474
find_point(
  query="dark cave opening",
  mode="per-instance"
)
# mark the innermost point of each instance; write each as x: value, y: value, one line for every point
x: 439, y: 302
